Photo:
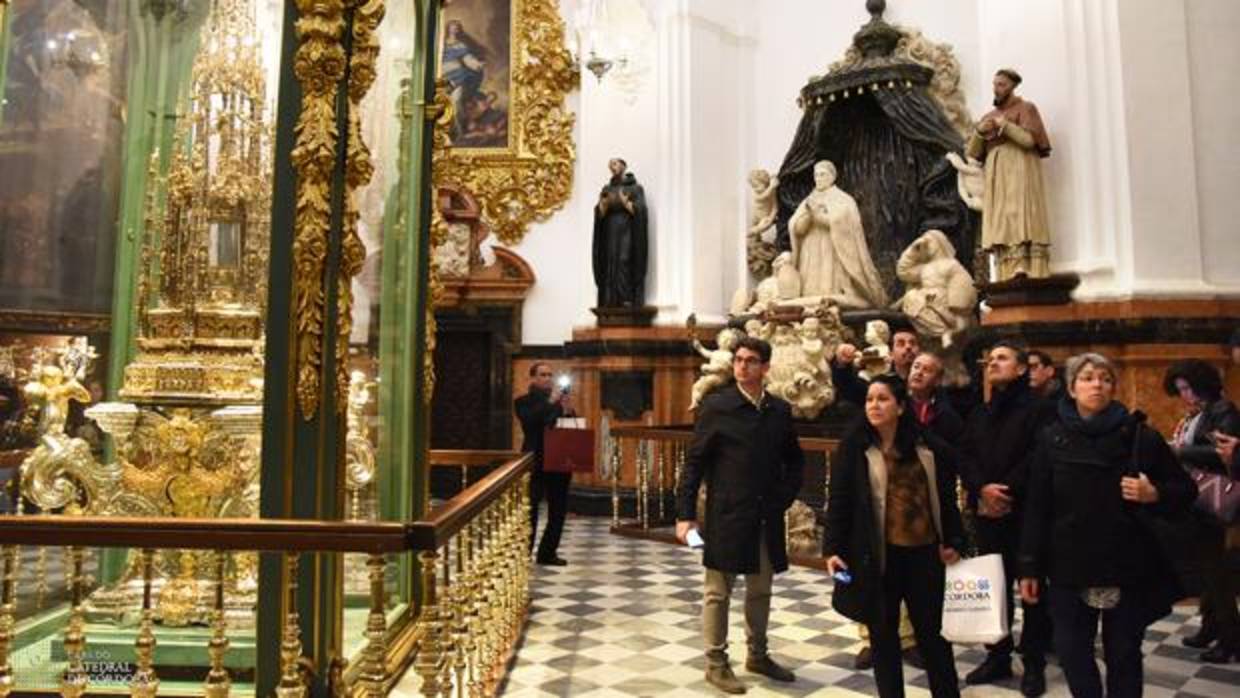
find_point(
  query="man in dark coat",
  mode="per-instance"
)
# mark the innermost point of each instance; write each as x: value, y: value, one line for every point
x: 745, y: 449
x: 620, y: 240
x: 994, y: 464
x: 933, y: 412
x: 537, y: 410
x: 850, y: 386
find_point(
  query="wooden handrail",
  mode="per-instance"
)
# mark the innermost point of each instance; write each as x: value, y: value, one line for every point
x: 274, y: 535
x: 449, y: 518
x: 808, y: 443
x: 657, y: 433
x: 205, y: 534
x: 445, y: 457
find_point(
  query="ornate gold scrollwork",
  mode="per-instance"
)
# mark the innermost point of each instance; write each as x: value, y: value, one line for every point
x: 358, y: 171
x: 319, y: 66
x: 441, y: 112
x: 533, y: 177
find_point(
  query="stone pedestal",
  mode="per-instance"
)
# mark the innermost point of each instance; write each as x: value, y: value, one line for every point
x: 1052, y: 290
x: 625, y: 317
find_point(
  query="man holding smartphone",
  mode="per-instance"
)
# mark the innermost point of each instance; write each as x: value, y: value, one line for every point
x: 537, y: 410
x: 746, y: 451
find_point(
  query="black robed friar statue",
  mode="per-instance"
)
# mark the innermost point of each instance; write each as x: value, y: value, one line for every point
x: 620, y: 240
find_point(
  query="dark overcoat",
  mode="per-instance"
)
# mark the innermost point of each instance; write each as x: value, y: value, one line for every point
x: 753, y: 468
x: 855, y: 524
x: 1080, y: 532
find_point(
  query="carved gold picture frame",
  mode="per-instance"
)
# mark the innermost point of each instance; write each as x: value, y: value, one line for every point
x: 530, y: 177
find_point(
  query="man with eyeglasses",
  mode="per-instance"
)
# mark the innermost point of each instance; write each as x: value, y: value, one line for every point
x: 537, y: 410
x: 745, y: 449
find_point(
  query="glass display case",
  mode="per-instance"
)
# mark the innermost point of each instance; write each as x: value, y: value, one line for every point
x: 153, y: 154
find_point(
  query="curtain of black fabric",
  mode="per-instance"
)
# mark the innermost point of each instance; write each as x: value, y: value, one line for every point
x: 888, y: 148
x: 796, y: 174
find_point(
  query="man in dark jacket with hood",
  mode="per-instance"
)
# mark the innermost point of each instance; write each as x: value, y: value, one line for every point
x: 994, y: 464
x: 746, y: 451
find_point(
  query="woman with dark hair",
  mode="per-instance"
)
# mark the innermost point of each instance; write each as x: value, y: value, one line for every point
x: 1098, y: 476
x: 892, y: 525
x: 1208, y: 414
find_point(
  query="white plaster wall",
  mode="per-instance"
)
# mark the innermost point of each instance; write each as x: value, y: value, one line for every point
x: 1213, y: 53
x: 608, y: 125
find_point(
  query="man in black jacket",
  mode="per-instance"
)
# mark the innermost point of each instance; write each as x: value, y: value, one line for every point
x: 935, y: 414
x: 537, y: 410
x: 994, y: 464
x: 850, y: 386
x: 1043, y: 379
x: 746, y: 450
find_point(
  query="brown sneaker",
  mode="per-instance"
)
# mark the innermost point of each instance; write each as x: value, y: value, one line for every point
x: 767, y: 667
x: 722, y: 678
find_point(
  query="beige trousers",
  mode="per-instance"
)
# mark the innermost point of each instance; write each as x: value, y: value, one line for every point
x: 717, y: 594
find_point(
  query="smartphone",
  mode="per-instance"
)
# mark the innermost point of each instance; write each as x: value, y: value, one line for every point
x: 694, y: 539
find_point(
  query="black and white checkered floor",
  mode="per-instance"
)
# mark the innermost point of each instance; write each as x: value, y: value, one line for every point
x: 622, y: 619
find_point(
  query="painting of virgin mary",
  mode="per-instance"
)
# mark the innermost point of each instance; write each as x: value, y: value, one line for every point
x: 475, y: 63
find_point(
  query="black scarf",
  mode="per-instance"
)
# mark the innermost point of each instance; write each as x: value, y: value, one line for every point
x: 1112, y: 417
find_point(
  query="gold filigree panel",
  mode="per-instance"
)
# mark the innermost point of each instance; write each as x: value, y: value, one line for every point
x: 531, y: 177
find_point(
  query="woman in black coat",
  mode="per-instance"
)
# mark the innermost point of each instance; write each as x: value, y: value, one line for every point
x: 892, y: 524
x: 1097, y: 478
x: 1200, y: 388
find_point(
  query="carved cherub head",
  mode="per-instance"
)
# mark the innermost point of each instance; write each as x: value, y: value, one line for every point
x: 727, y: 338
x: 759, y: 179
x: 877, y: 333
x: 810, y: 328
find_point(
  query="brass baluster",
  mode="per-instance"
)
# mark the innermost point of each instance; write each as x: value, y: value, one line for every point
x: 291, y: 684
x: 145, y: 682
x: 826, y: 481
x: 615, y: 481
x: 495, y: 593
x: 479, y: 613
x: 514, y: 566
x: 8, y: 611
x: 495, y: 611
x: 658, y: 478
x: 429, y: 655
x: 464, y: 477
x: 374, y: 668
x: 507, y: 568
x: 788, y: 530
x: 218, y: 683
x: 74, y: 680
x: 460, y: 601
x: 447, y: 638
x: 522, y: 563
x: 678, y: 454
x: 639, y: 490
